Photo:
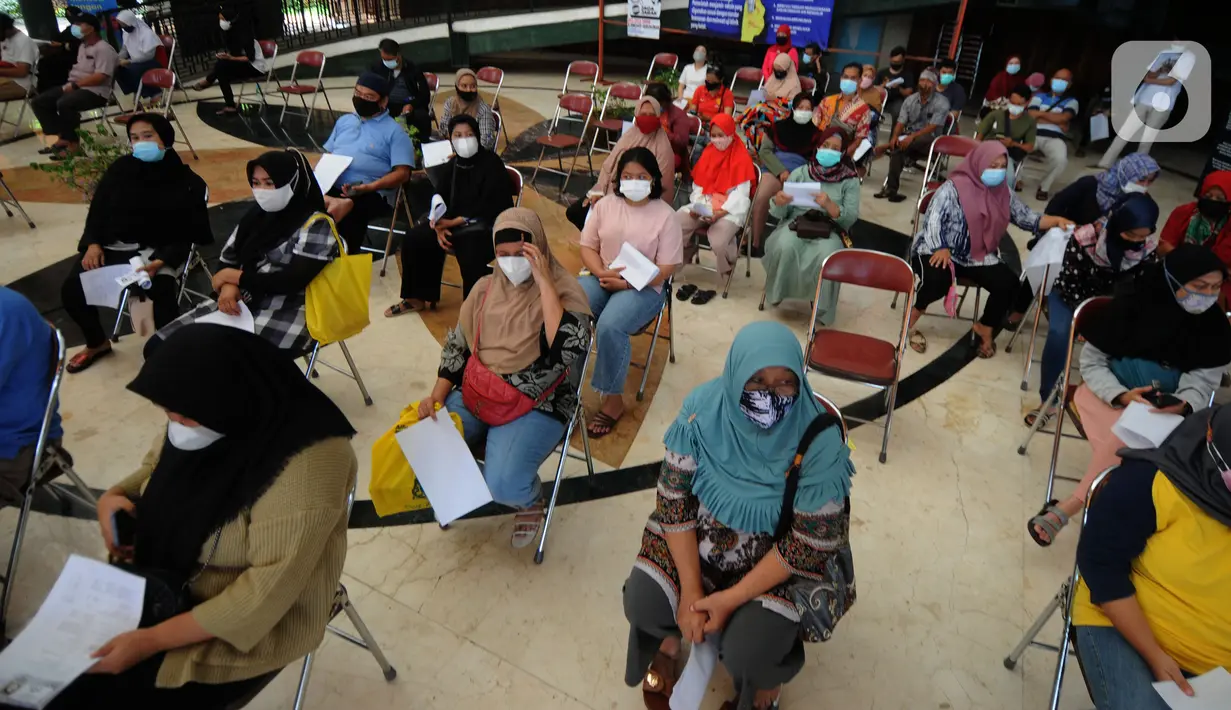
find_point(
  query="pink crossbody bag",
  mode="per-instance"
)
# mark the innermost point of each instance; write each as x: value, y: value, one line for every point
x: 951, y: 297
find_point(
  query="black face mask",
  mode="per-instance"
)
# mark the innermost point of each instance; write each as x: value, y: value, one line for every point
x: 365, y: 108
x: 1213, y: 210
x: 783, y: 39
x: 128, y: 29
x: 896, y: 66
x: 780, y: 74
x: 467, y: 96
x: 713, y: 85
x: 1131, y: 246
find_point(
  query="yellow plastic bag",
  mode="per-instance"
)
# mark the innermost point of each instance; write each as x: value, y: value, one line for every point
x: 337, y: 299
x: 394, y: 488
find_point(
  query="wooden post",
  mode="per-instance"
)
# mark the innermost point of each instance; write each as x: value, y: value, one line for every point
x: 957, y: 30
x: 602, y: 19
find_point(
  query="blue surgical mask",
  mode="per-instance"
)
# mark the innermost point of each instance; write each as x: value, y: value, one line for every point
x: 698, y: 57
x: 828, y: 157
x: 993, y: 177
x: 1193, y: 302
x: 1058, y: 86
x: 765, y: 408
x: 1013, y: 68
x: 807, y: 58
x: 148, y: 151
x: 947, y: 79
x: 390, y: 63
x: 77, y: 32
x: 848, y: 86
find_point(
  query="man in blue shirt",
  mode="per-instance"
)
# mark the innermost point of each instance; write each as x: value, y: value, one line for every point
x: 26, y: 355
x: 1053, y: 111
x: 382, y: 156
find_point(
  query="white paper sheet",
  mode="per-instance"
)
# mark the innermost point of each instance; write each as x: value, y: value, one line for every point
x: 864, y: 146
x: 701, y: 209
x: 90, y: 604
x: 803, y: 194
x: 436, y: 153
x: 243, y: 321
x: 690, y: 690
x: 638, y: 270
x: 329, y: 168
x: 444, y: 466
x: 625, y: 127
x: 101, y: 287
x: 1139, y: 428
x: 1100, y: 127
x: 437, y: 210
x: 756, y: 96
x: 895, y: 82
x: 1211, y: 691
x: 1043, y: 263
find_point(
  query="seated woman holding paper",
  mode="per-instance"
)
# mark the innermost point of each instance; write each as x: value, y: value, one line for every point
x: 647, y: 132
x: 242, y: 499
x: 780, y: 90
x: 960, y: 237
x: 631, y: 246
x: 521, y: 339
x: 722, y: 184
x: 1155, y: 559
x: 1162, y: 343
x: 475, y: 188
x: 280, y: 244
x: 793, y: 261
x: 1097, y: 257
x: 791, y: 141
x: 733, y: 541
x: 150, y: 205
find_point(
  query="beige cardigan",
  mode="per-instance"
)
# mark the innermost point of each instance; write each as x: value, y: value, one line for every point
x: 267, y: 592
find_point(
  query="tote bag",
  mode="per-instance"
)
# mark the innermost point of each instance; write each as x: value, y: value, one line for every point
x: 393, y: 486
x: 337, y: 299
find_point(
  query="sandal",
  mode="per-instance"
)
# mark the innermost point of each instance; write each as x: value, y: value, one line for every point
x: 403, y: 307
x: 918, y: 343
x: 526, y: 526
x: 659, y: 682
x: 703, y: 297
x: 227, y: 111
x: 201, y: 85
x: 1047, y: 520
x: 85, y: 358
x: 1037, y: 412
x: 605, y: 422
x: 685, y: 292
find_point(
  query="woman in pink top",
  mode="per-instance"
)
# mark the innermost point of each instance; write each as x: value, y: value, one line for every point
x: 782, y: 45
x: 634, y: 214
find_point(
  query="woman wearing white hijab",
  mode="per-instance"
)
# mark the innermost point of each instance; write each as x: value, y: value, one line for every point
x: 138, y: 54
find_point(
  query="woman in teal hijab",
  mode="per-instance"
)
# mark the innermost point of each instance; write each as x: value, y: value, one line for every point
x: 712, y: 558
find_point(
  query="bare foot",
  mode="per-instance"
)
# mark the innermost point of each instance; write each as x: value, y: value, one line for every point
x: 765, y: 699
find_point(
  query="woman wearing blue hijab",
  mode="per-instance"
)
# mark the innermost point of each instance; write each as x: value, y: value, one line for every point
x: 713, y: 558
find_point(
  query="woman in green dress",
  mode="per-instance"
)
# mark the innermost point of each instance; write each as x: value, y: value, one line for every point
x: 793, y: 264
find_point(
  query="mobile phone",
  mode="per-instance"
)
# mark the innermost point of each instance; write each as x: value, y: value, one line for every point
x: 123, y: 529
x: 1161, y: 400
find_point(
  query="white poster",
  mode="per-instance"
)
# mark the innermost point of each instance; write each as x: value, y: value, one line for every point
x: 644, y: 18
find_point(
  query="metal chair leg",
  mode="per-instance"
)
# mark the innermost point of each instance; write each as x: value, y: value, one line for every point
x: 304, y: 675
x: 1038, y: 421
x: 369, y: 642
x: 367, y: 398
x: 670, y: 328
x: 555, y: 489
x: 1028, y: 639
x: 119, y: 317
x: 23, y: 517
x: 649, y: 358
x: 891, y: 397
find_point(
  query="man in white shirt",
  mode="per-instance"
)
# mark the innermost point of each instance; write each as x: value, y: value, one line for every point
x: 19, y: 56
x: 1152, y: 104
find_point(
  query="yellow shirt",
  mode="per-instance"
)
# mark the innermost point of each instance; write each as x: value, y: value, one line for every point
x: 1183, y: 582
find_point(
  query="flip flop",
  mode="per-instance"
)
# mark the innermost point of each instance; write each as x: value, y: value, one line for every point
x: 84, y: 359
x: 685, y: 292
x: 986, y: 354
x: 402, y: 308
x: 602, y: 419
x: 1047, y: 519
x: 919, y: 344
x: 659, y: 682
x: 703, y: 297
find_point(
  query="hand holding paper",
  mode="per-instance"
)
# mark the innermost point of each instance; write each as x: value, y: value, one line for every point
x: 437, y: 210
x: 803, y: 194
x: 444, y: 466
x: 638, y: 270
x: 1139, y: 427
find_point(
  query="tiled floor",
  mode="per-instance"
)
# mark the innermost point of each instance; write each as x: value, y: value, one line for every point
x: 948, y: 579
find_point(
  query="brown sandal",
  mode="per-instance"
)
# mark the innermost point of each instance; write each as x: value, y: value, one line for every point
x: 605, y: 421
x: 659, y: 682
x: 84, y: 359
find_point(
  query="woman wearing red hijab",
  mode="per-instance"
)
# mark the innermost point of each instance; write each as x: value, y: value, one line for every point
x: 1204, y: 222
x: 997, y: 96
x: 782, y: 46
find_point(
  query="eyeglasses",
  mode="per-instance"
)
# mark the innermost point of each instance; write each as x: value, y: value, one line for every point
x: 1219, y: 461
x: 782, y: 389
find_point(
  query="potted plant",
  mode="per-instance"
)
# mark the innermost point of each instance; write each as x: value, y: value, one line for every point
x: 82, y: 170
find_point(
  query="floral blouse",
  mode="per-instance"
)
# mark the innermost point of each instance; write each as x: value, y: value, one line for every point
x: 569, y: 347
x: 1082, y: 277
x: 944, y: 227
x: 728, y: 554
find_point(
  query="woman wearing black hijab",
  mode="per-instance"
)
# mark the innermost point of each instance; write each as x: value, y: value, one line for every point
x: 243, y: 498
x: 793, y: 141
x: 148, y: 204
x: 475, y: 188
x: 242, y: 60
x: 279, y: 246
x: 1162, y: 342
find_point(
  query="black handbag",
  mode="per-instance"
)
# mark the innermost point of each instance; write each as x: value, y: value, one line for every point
x: 815, y: 224
x: 166, y: 591
x: 820, y: 603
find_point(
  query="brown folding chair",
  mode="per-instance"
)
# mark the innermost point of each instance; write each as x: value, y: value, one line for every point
x: 623, y: 91
x: 165, y: 81
x: 747, y: 75
x: 807, y: 84
x: 581, y: 69
x: 580, y: 104
x: 852, y: 356
x: 662, y: 60
x: 269, y: 50
x: 311, y: 59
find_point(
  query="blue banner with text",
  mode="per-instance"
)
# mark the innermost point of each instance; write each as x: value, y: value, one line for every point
x: 758, y: 20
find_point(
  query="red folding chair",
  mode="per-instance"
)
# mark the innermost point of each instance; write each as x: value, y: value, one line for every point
x: 581, y: 69
x: 808, y: 84
x: 662, y: 60
x: 623, y: 91
x: 433, y: 83
x: 581, y: 105
x: 494, y: 77
x: 748, y: 75
x: 861, y: 358
x: 311, y: 59
x: 165, y: 81
x: 269, y: 50
x: 518, y: 183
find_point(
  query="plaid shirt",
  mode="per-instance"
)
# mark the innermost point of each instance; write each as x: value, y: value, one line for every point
x: 279, y: 318
x: 487, y: 122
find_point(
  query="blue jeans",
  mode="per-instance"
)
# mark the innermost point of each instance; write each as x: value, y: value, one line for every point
x: 512, y: 453
x: 1117, y: 676
x: 619, y: 315
x: 1059, y: 323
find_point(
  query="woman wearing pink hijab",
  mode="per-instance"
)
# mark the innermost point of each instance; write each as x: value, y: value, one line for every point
x: 960, y: 237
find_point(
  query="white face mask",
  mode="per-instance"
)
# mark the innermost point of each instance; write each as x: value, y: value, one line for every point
x: 225, y: 25
x: 466, y: 147
x: 1134, y: 187
x: 277, y: 199
x: 635, y: 190
x: 517, y: 268
x: 191, y: 438
x: 1015, y: 110
x: 801, y: 117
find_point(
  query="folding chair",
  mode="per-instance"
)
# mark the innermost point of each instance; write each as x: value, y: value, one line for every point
x: 581, y: 69
x: 101, y: 113
x: 657, y: 321
x: 166, y: 81
x: 1037, y: 307
x: 807, y: 84
x: 747, y: 74
x: 569, y: 103
x: 313, y: 60
x: 828, y: 405
x: 516, y: 180
x: 166, y: 57
x: 194, y: 261
x: 45, y: 460
x: 499, y: 127
x: 342, y: 603
x: 623, y: 91
x: 269, y: 50
x: 402, y: 202
x: 433, y: 83
x: 1063, y: 602
x: 662, y: 60
x: 861, y: 358
x: 311, y: 372
x: 25, y: 103
x: 8, y: 199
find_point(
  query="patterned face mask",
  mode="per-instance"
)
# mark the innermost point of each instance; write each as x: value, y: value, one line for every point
x: 765, y: 408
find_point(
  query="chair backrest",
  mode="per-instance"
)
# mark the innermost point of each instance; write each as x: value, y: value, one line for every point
x: 747, y: 74
x: 161, y: 78
x: 433, y: 81
x: 581, y: 68
x: 576, y: 103
x: 491, y: 75
x: 929, y: 191
x: 694, y: 125
x: 625, y: 90
x: 269, y: 48
x: 662, y: 59
x: 310, y: 58
x: 165, y: 53
x: 958, y: 146
x: 832, y: 408
x: 1087, y: 311
x: 516, y: 180
x: 874, y: 269
x: 808, y: 84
